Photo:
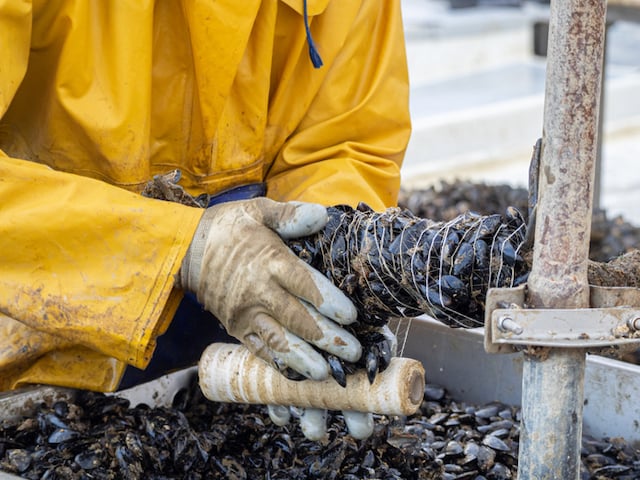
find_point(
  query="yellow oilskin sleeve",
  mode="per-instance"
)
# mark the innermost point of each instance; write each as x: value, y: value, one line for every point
x: 75, y: 367
x: 29, y: 356
x: 89, y: 260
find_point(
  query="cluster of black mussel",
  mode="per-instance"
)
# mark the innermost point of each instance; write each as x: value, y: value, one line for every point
x: 610, y: 236
x: 102, y: 437
x: 394, y: 263
x: 397, y: 264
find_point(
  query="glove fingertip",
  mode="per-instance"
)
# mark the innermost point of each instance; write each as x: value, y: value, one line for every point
x: 359, y: 424
x: 306, y: 219
x: 352, y: 351
x: 279, y: 414
x: 313, y: 423
x: 302, y: 358
x: 336, y: 305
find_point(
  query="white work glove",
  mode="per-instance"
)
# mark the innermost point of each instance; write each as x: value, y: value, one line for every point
x: 264, y: 295
x: 313, y: 421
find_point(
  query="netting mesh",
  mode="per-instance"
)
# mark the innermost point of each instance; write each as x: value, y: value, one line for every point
x: 394, y: 263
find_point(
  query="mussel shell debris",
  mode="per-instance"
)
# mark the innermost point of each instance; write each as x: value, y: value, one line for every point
x: 198, y: 439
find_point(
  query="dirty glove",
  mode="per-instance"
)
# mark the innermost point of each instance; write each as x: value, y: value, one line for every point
x: 313, y: 421
x: 264, y: 295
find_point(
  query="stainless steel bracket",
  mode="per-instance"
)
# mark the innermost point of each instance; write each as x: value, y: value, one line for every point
x: 612, y: 320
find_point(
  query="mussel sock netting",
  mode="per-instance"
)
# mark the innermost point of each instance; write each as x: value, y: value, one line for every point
x: 394, y: 264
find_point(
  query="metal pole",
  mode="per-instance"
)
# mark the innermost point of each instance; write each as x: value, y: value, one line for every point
x: 553, y: 379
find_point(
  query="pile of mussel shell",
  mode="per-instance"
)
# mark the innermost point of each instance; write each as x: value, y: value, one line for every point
x: 611, y: 236
x: 103, y: 437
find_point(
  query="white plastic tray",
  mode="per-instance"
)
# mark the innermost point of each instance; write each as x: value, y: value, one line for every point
x: 456, y: 359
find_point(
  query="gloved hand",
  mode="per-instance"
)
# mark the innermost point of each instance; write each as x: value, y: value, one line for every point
x: 313, y: 421
x: 264, y: 295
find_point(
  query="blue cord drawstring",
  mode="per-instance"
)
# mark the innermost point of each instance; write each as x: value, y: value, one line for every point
x: 313, y: 51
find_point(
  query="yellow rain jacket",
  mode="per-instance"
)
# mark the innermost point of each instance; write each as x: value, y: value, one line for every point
x: 97, y: 97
